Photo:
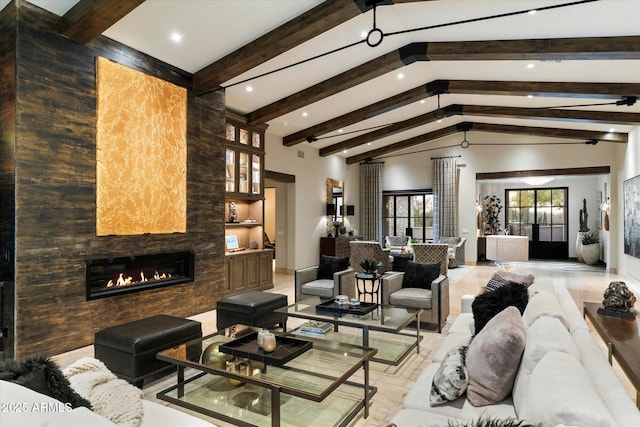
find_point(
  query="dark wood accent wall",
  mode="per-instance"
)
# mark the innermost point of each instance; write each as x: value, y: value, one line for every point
x: 7, y: 170
x: 56, y: 194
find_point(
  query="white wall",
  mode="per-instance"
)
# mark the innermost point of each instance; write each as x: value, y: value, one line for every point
x: 307, y: 220
x: 629, y: 266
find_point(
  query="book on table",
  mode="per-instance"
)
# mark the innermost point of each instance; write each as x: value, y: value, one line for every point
x: 314, y: 327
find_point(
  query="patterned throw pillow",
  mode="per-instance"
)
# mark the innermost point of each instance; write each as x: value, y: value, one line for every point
x: 494, y: 283
x: 450, y: 380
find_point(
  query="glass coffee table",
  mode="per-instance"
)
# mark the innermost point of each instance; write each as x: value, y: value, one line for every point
x: 320, y: 383
x: 381, y: 328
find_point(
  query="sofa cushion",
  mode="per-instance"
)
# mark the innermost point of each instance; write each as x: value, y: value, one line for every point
x: 419, y: 275
x: 494, y: 356
x: 495, y: 282
x: 450, y: 380
x: 330, y: 265
x: 560, y: 392
x: 322, y: 288
x: 543, y: 303
x: 42, y: 375
x: 488, y: 304
x: 412, y: 297
x: 544, y: 335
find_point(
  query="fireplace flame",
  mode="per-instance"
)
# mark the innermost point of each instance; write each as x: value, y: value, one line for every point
x: 128, y: 281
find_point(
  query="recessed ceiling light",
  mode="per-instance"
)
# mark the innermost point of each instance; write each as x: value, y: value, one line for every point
x: 531, y: 65
x: 612, y: 129
x: 368, y: 143
x: 249, y: 89
x: 532, y: 12
x: 344, y: 151
x: 305, y: 114
x: 285, y: 124
x: 439, y: 120
x: 529, y: 96
x: 340, y: 131
x: 422, y: 101
x: 364, y: 34
x: 175, y: 37
x: 400, y: 76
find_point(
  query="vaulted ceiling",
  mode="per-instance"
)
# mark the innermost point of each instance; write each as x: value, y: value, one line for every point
x: 327, y: 73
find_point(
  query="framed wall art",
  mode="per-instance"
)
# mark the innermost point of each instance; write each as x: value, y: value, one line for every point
x: 632, y: 216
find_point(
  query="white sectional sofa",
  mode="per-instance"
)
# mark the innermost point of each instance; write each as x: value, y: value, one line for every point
x: 563, y: 378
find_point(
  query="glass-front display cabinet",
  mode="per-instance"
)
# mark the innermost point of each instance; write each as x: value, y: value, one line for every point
x: 244, y: 160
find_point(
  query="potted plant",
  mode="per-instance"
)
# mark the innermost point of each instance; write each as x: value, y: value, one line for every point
x: 590, y: 247
x: 370, y: 266
x: 584, y: 216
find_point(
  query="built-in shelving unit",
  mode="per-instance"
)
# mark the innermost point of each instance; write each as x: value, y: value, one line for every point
x: 250, y: 268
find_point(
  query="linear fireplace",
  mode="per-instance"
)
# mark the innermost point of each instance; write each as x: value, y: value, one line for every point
x: 108, y: 277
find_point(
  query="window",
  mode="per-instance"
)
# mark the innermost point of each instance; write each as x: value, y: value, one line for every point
x: 545, y: 207
x: 409, y: 212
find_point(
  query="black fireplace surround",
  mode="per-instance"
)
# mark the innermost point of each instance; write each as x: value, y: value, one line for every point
x: 108, y: 277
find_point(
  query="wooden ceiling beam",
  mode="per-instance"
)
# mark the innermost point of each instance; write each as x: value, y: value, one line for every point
x: 88, y: 19
x: 586, y: 48
x: 300, y: 29
x: 481, y: 87
x: 577, y: 134
x: 350, y: 78
x: 485, y: 111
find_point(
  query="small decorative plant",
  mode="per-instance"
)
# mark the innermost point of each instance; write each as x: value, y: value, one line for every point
x: 370, y: 266
x: 590, y: 238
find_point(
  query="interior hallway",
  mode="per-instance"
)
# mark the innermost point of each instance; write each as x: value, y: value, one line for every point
x: 585, y: 283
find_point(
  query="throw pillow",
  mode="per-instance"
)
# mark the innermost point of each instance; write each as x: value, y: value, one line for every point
x: 488, y: 304
x: 330, y: 265
x: 494, y: 283
x: 527, y: 279
x: 42, y: 375
x: 450, y: 380
x: 493, y: 358
x: 418, y: 275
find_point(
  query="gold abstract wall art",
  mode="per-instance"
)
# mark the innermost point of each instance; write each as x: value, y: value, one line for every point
x: 141, y: 157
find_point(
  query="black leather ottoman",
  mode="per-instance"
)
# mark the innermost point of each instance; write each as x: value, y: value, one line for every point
x: 253, y: 308
x: 129, y: 350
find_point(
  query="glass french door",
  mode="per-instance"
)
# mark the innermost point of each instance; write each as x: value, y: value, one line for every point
x: 542, y: 215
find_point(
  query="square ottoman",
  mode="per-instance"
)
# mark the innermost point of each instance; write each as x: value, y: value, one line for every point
x: 253, y: 308
x: 129, y: 350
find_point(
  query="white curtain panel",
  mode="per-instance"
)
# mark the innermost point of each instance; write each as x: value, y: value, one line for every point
x: 371, y: 201
x: 445, y: 197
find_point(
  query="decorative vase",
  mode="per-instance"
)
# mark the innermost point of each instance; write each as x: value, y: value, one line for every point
x: 591, y: 253
x: 212, y: 356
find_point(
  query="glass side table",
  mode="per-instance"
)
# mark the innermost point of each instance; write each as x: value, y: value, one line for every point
x: 368, y: 285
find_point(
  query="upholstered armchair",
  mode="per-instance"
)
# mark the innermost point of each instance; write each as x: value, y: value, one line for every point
x: 327, y: 280
x: 456, y: 250
x: 411, y: 289
x: 361, y: 250
x: 397, y: 243
x: 427, y: 253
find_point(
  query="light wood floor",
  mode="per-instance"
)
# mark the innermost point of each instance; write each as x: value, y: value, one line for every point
x: 585, y: 283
